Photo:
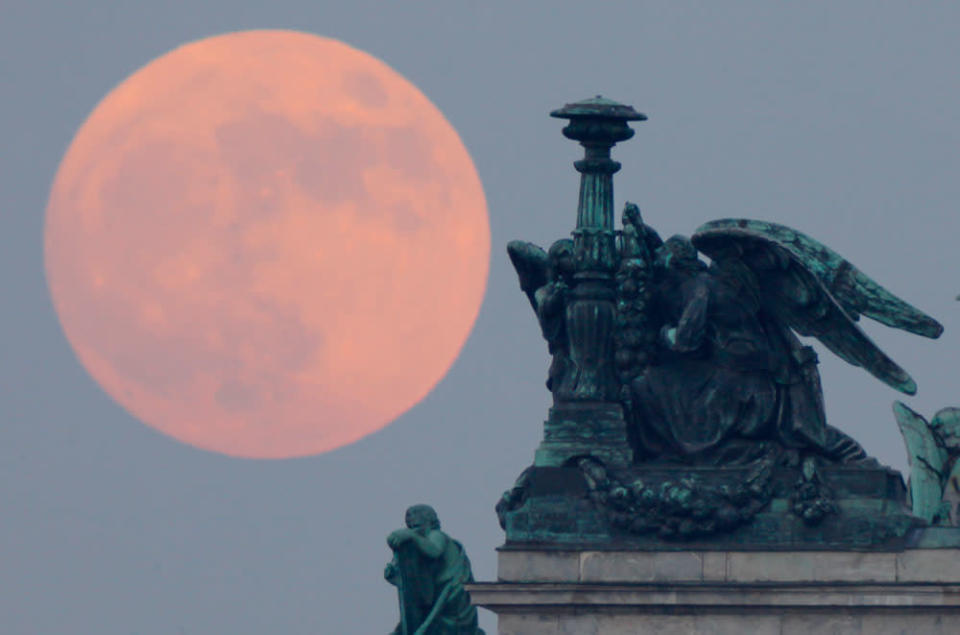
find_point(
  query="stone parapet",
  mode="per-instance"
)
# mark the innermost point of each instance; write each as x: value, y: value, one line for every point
x: 911, y: 565
x: 914, y: 591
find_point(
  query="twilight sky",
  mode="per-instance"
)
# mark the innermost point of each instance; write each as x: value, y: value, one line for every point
x: 840, y: 121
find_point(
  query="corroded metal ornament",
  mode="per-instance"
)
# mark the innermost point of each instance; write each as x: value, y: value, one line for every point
x: 684, y: 405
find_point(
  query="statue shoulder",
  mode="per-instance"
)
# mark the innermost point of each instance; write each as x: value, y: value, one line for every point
x: 439, y: 538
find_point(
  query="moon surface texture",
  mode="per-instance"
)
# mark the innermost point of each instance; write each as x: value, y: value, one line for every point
x: 267, y: 244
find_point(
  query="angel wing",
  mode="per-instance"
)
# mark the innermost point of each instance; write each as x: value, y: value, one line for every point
x: 946, y: 426
x: 530, y: 261
x: 928, y: 462
x: 814, y: 291
x: 853, y: 289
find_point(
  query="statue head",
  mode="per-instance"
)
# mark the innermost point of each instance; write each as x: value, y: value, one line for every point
x: 422, y: 518
x: 946, y: 423
x: 631, y: 215
x: 678, y: 253
x: 560, y: 258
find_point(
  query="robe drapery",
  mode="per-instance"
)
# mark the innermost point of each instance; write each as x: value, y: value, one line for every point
x: 431, y: 594
x: 731, y: 385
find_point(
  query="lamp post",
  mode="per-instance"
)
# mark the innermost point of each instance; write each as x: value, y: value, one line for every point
x: 588, y: 411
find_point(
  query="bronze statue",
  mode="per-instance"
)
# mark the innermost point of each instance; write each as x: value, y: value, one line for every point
x: 711, y: 369
x: 545, y: 277
x: 685, y: 406
x: 749, y: 387
x: 933, y: 451
x: 429, y: 569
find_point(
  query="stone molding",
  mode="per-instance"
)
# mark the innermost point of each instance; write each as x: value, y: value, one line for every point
x: 911, y: 565
x: 554, y: 592
x: 577, y: 597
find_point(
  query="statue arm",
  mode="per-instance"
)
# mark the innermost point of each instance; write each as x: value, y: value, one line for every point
x: 430, y: 545
x: 549, y: 299
x: 688, y: 334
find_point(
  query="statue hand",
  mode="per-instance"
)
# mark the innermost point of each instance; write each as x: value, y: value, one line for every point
x: 669, y: 336
x: 551, y: 297
x: 390, y: 573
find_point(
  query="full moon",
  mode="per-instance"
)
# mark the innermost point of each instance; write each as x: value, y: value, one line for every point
x: 267, y: 244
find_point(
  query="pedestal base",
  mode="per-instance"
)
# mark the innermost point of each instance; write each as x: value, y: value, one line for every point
x: 574, y: 430
x: 915, y: 591
x: 554, y: 506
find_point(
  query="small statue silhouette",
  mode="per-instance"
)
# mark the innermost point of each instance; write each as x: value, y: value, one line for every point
x: 546, y: 278
x: 429, y: 569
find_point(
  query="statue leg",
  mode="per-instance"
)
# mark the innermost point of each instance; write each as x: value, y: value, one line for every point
x: 842, y: 448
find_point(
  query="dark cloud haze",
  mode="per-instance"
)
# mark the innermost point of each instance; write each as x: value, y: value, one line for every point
x: 839, y: 119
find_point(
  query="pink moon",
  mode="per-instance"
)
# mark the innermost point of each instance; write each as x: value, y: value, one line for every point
x: 267, y: 244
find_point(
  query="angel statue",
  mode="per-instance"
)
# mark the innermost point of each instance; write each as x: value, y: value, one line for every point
x: 710, y: 367
x: 546, y: 277
x: 732, y: 379
x: 932, y: 450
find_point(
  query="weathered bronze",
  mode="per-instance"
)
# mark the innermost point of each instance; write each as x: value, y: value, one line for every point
x: 933, y: 449
x: 429, y: 569
x: 685, y: 405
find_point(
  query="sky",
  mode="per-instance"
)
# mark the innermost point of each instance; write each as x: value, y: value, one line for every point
x: 841, y: 120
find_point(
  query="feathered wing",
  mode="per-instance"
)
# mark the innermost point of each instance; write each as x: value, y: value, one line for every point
x: 530, y: 261
x: 814, y: 291
x: 946, y: 426
x: 928, y: 462
x: 856, y: 292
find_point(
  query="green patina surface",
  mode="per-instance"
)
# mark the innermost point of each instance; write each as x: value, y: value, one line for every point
x: 932, y: 451
x: 685, y: 408
x: 711, y: 509
x: 851, y: 287
x: 430, y: 569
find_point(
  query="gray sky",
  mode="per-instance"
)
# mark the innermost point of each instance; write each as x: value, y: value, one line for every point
x: 839, y: 119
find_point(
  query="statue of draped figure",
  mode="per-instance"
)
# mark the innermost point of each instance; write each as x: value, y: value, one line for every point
x: 429, y: 569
